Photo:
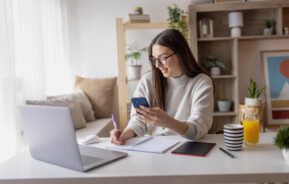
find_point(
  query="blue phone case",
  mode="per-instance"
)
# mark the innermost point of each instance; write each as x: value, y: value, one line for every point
x: 139, y: 101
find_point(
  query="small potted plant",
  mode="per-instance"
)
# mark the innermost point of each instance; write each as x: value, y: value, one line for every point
x: 177, y: 19
x: 224, y: 105
x: 282, y: 142
x: 133, y: 55
x: 253, y: 94
x: 269, y: 26
x: 214, y: 64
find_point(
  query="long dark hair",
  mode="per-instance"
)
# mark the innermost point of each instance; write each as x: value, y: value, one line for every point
x: 174, y: 40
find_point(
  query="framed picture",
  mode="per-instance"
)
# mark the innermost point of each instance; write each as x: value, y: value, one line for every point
x: 276, y: 71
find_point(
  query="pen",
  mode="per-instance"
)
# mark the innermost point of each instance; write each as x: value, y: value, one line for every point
x: 225, y: 151
x: 115, y: 123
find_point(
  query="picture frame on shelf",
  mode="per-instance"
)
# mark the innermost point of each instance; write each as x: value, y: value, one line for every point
x: 206, y: 29
x: 276, y: 64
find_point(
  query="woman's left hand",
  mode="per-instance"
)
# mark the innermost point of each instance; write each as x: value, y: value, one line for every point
x: 155, y: 116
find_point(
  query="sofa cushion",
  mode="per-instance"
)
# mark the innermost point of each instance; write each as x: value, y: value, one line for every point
x: 74, y: 108
x: 78, y: 97
x: 100, y: 93
x: 101, y: 127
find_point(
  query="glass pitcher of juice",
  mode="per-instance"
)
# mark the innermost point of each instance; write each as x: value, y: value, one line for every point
x: 251, y: 126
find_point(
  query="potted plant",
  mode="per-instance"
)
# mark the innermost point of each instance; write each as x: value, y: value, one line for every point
x: 253, y: 94
x: 133, y: 55
x: 282, y: 142
x: 214, y: 64
x: 268, y: 24
x: 177, y: 20
x: 224, y: 105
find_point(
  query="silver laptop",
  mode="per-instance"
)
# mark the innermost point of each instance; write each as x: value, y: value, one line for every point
x: 51, y: 138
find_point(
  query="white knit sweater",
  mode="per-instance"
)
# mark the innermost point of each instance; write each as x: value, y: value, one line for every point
x: 188, y: 100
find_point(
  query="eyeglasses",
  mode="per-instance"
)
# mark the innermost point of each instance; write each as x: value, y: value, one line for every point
x: 161, y: 60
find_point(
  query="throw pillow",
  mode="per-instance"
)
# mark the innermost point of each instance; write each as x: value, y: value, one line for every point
x: 74, y: 108
x: 81, y: 98
x: 100, y: 93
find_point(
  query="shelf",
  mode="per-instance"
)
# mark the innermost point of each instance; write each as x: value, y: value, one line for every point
x: 231, y: 113
x: 224, y: 77
x: 259, y: 37
x: 215, y: 39
x: 152, y: 25
x: 212, y: 7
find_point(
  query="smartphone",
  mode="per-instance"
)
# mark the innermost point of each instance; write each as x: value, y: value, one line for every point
x: 139, y: 101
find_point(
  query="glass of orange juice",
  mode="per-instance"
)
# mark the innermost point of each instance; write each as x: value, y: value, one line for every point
x: 251, y: 126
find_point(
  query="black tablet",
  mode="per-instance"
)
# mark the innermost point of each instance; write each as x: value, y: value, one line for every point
x: 194, y: 148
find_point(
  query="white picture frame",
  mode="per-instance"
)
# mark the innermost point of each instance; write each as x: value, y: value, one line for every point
x: 276, y: 71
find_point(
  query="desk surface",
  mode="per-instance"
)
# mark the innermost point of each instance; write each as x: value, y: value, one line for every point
x: 266, y: 163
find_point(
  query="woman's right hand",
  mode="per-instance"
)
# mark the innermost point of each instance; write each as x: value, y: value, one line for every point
x: 117, y: 136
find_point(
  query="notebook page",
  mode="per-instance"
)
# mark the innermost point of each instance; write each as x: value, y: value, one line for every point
x: 129, y: 143
x: 159, y: 144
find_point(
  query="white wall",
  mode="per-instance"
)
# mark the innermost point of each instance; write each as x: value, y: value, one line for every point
x: 93, y: 32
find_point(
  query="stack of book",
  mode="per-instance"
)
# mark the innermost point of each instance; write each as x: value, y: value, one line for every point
x: 139, y: 18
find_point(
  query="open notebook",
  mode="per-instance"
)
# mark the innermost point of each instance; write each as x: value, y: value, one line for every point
x: 156, y: 144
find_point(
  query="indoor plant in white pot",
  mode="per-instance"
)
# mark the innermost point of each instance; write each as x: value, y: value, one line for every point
x: 253, y: 94
x: 269, y: 26
x: 214, y: 64
x: 133, y: 55
x: 282, y: 142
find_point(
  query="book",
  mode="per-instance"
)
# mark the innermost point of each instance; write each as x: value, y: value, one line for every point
x: 139, y: 17
x: 194, y: 148
x: 151, y: 144
x: 136, y: 18
x: 139, y: 21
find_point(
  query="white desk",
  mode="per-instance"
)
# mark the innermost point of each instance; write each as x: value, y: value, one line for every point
x: 262, y: 165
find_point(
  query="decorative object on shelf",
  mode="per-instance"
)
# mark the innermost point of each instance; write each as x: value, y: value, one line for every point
x: 276, y: 64
x: 137, y: 10
x: 269, y: 27
x: 224, y: 105
x: 214, y: 64
x: 178, y: 19
x: 253, y: 94
x: 206, y: 29
x: 133, y: 55
x: 282, y: 142
x: 286, y: 31
x: 138, y: 16
x: 235, y: 23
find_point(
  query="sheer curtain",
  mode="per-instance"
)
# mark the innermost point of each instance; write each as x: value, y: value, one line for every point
x: 34, y: 61
x: 8, y: 127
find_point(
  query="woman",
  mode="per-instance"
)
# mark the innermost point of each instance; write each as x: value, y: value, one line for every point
x: 178, y: 89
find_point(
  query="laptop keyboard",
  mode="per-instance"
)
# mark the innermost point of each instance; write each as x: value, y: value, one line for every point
x: 85, y: 159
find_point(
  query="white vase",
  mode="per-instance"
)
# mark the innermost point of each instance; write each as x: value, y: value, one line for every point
x: 224, y: 106
x: 252, y: 101
x: 267, y: 31
x: 215, y: 71
x: 285, y: 153
x: 134, y: 72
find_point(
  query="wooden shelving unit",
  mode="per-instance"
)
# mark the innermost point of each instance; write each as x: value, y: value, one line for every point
x: 123, y: 96
x: 254, y: 13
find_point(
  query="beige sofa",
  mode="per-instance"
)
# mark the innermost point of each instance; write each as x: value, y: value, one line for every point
x: 90, y: 107
x: 101, y: 127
